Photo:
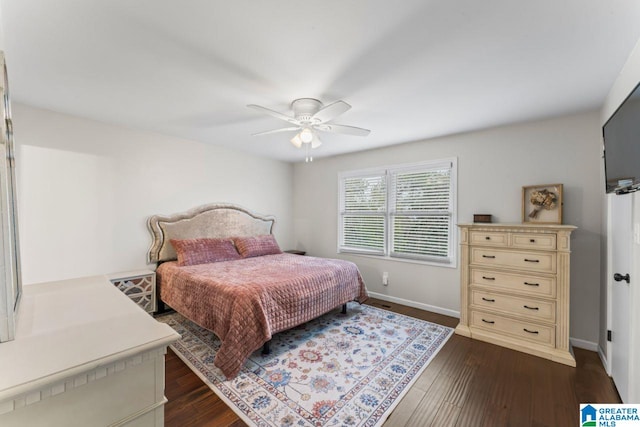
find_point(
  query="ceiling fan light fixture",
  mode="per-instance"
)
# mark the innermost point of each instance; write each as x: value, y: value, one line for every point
x: 310, y: 118
x: 306, y: 135
x: 315, y: 143
x: 297, y: 141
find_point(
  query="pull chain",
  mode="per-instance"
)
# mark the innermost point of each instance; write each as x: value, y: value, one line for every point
x: 308, y: 158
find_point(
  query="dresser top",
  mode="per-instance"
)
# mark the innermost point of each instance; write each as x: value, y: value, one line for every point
x: 69, y: 326
x: 517, y: 226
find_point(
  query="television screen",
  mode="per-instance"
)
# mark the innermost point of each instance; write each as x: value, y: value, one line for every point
x: 622, y: 146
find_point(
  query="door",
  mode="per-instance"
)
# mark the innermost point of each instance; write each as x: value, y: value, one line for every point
x: 621, y: 252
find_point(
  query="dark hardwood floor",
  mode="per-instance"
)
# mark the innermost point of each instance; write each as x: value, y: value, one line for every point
x: 468, y: 383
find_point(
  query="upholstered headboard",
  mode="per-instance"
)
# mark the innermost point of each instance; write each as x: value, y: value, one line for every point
x: 214, y: 220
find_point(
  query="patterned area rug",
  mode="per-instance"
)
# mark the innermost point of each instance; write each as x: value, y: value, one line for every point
x: 337, y: 370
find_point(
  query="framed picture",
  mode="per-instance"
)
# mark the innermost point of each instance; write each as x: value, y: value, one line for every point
x: 542, y: 204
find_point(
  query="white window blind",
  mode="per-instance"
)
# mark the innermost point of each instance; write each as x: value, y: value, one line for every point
x: 362, y: 210
x: 405, y: 211
x: 421, y: 210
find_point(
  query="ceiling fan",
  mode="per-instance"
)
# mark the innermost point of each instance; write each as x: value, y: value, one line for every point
x: 311, y: 116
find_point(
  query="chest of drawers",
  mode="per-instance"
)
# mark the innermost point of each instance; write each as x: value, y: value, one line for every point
x: 514, y: 287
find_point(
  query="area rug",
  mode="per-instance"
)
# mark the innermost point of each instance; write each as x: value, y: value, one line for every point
x: 337, y: 370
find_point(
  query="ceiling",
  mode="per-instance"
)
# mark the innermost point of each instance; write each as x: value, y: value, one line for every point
x: 412, y: 69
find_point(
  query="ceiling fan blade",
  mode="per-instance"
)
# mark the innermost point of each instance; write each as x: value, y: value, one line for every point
x: 274, y: 113
x: 331, y: 111
x: 268, y: 132
x: 296, y: 141
x: 347, y: 130
x: 315, y: 142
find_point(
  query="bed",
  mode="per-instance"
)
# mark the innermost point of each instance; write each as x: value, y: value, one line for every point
x: 244, y: 300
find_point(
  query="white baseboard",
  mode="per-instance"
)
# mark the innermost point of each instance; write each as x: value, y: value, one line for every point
x: 422, y: 306
x: 576, y: 342
x: 587, y: 345
x: 605, y: 362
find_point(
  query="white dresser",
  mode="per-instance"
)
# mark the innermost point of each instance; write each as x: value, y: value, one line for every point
x: 514, y: 287
x: 84, y: 355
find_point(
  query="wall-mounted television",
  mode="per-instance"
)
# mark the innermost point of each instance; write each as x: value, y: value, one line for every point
x: 622, y: 146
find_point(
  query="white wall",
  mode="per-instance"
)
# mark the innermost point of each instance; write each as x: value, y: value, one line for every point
x: 86, y: 188
x: 493, y: 165
x: 1, y: 32
x: 627, y: 79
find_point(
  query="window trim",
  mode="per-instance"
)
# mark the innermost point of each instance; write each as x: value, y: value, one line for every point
x: 387, y: 170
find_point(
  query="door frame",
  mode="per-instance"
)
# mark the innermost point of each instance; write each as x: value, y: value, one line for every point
x: 609, y: 348
x: 634, y: 344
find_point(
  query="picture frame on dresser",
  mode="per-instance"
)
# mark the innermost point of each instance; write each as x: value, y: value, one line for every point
x: 542, y: 204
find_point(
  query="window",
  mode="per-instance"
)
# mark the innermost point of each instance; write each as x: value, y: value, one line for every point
x: 364, y: 213
x: 404, y: 211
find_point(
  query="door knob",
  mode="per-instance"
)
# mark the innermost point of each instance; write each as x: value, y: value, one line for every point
x: 619, y: 277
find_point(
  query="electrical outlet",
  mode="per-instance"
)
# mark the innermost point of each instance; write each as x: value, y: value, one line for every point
x: 385, y: 278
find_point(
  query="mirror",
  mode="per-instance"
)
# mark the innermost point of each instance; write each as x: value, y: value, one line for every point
x: 10, y: 277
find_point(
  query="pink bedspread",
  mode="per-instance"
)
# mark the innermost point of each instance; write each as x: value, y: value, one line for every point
x: 246, y: 301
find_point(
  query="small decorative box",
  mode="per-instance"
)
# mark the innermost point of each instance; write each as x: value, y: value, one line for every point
x: 481, y: 218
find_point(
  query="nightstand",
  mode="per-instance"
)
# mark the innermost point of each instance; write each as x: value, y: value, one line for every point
x: 295, y: 252
x: 139, y: 286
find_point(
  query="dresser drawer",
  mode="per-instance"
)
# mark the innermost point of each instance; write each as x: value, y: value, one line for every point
x: 529, y: 331
x: 513, y: 282
x: 534, y: 241
x: 530, y: 261
x: 527, y: 307
x: 488, y: 238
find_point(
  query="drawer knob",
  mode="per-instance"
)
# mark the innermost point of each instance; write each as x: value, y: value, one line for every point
x: 532, y: 240
x: 530, y: 332
x: 489, y: 300
x: 531, y: 260
x: 531, y: 284
x: 488, y: 256
x: 531, y: 308
x: 488, y: 278
x: 491, y: 322
x: 487, y: 238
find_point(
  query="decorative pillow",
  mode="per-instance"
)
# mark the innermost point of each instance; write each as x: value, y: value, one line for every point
x: 257, y: 245
x: 202, y: 251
